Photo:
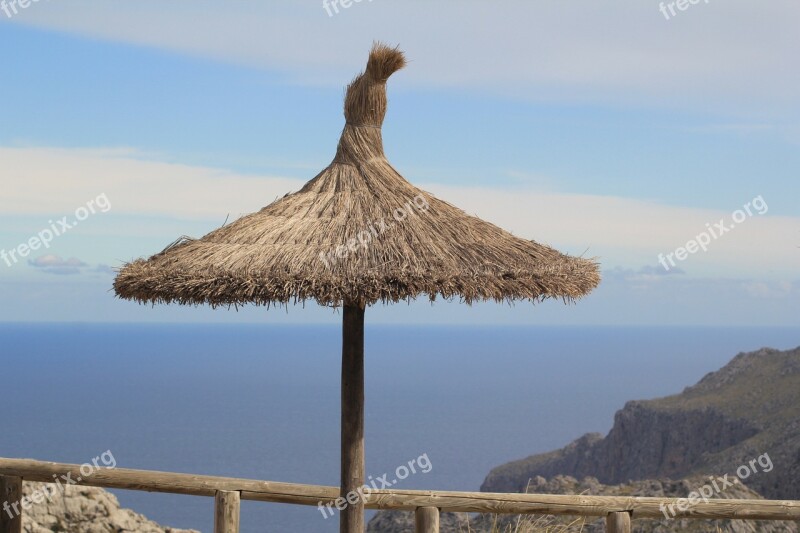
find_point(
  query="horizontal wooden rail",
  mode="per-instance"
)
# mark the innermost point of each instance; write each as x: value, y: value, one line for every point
x: 551, y: 504
x: 409, y: 500
x: 173, y: 483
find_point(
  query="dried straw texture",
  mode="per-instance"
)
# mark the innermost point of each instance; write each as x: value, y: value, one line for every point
x: 357, y: 233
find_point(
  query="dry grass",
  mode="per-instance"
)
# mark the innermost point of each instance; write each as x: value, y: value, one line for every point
x: 529, y: 524
x: 274, y: 256
x: 533, y: 523
x: 541, y: 524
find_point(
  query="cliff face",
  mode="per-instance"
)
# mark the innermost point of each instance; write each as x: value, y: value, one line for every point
x: 85, y: 510
x: 644, y: 443
x: 749, y: 408
x: 649, y: 443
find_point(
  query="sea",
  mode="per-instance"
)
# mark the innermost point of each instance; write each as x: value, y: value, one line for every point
x: 262, y: 401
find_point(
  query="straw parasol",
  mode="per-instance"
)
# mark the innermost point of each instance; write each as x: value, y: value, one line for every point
x: 356, y: 234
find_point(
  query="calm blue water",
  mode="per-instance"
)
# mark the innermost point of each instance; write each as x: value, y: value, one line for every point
x: 263, y: 401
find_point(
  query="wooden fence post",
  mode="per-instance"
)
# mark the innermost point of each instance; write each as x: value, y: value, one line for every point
x: 10, y: 495
x: 226, y: 511
x: 426, y: 520
x: 618, y: 522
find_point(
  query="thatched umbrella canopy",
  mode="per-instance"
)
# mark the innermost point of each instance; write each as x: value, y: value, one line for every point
x: 356, y: 234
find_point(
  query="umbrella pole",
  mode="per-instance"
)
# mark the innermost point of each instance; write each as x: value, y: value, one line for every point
x: 351, y: 519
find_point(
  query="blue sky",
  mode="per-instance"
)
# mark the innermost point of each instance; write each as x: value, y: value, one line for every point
x: 603, y: 129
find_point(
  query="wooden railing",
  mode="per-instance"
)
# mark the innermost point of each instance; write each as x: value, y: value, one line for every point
x: 228, y: 492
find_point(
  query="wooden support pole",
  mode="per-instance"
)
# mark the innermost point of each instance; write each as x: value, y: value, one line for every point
x: 351, y: 519
x: 426, y: 520
x: 226, y: 511
x: 10, y: 508
x: 618, y: 522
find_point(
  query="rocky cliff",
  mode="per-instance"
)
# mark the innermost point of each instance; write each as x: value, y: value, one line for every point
x: 85, y: 510
x: 749, y: 408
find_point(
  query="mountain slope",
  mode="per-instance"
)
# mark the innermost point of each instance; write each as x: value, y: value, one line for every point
x: 748, y: 409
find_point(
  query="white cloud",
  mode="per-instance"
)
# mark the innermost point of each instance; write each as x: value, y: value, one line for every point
x: 620, y: 231
x: 50, y: 181
x: 51, y: 260
x: 772, y: 290
x: 632, y: 232
x: 713, y: 55
x: 54, y: 264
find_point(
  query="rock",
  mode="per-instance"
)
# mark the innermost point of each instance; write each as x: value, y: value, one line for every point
x: 82, y: 509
